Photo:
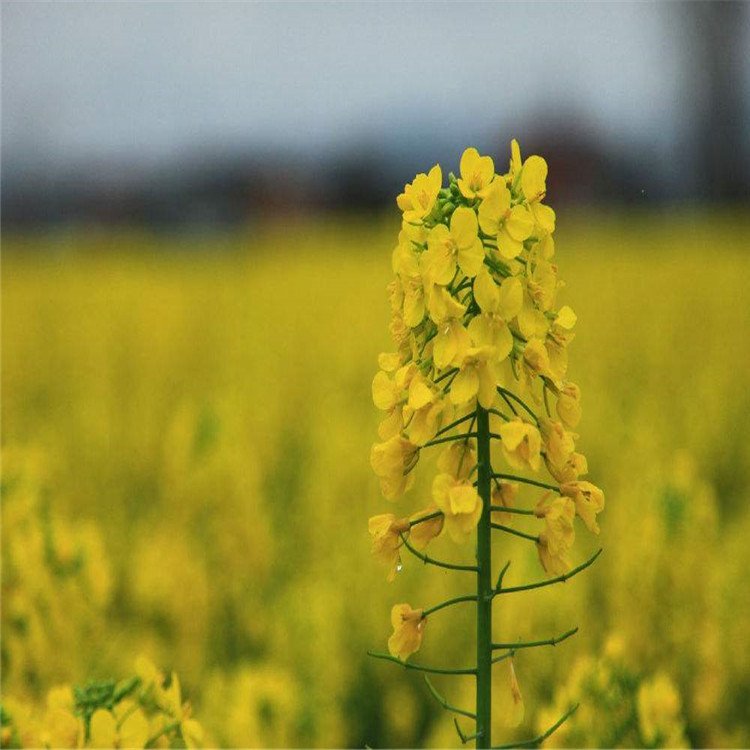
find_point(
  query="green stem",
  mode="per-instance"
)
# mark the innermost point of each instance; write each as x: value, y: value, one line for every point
x: 520, y: 402
x: 498, y: 413
x: 448, y: 603
x: 164, y: 730
x: 450, y: 438
x: 430, y: 517
x: 446, y: 374
x: 539, y: 739
x: 559, y: 579
x: 515, y: 532
x: 484, y: 584
x: 523, y: 480
x: 444, y: 703
x: 504, y: 509
x: 534, y: 644
x: 419, y: 667
x: 432, y: 561
x: 455, y: 424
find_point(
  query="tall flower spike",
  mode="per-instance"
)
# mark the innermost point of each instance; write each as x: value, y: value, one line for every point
x: 480, y: 355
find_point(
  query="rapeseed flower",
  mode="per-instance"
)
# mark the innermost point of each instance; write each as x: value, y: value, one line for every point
x: 408, y: 629
x: 477, y: 173
x: 479, y: 367
x: 588, y: 499
x: 453, y: 247
x: 521, y: 444
x: 558, y: 535
x: 460, y: 503
x: 419, y: 196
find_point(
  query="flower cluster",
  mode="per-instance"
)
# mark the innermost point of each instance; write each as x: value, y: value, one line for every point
x: 146, y: 710
x: 475, y: 323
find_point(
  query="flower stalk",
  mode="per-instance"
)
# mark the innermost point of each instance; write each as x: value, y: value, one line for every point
x: 479, y: 375
x: 484, y: 583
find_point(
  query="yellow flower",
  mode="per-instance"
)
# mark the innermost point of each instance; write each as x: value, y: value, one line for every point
x: 534, y: 187
x: 476, y: 377
x: 408, y: 628
x: 458, y: 245
x: 458, y: 459
x: 536, y: 360
x: 59, y: 728
x: 498, y: 304
x: 516, y: 163
x: 558, y: 535
x: 521, y: 444
x: 559, y: 444
x: 504, y: 496
x: 386, y: 531
x: 426, y: 421
x: 575, y: 466
x: 392, y: 461
x: 568, y: 405
x: 511, y: 226
x: 477, y: 172
x: 190, y: 729
x: 589, y: 502
x: 421, y: 534
x: 559, y: 336
x: 452, y: 339
x: 389, y: 394
x: 419, y: 196
x: 460, y: 503
x: 516, y: 710
x: 659, y: 708
x: 129, y: 728
x: 406, y: 264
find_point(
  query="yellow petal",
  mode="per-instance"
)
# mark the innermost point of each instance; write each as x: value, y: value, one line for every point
x: 464, y: 226
x: 507, y: 246
x: 419, y: 393
x: 435, y: 179
x: 486, y: 291
x: 520, y: 223
x: 389, y: 361
x: 566, y: 318
x: 465, y: 386
x: 383, y: 392
x: 102, y: 729
x: 533, y: 178
x: 488, y: 384
x: 510, y: 298
x: 445, y: 347
x: 469, y: 162
x: 135, y: 730
x: 463, y: 498
x: 471, y: 258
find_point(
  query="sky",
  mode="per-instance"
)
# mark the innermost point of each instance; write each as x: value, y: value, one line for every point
x: 101, y: 79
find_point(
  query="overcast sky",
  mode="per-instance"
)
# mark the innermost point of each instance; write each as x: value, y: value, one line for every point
x: 147, y: 78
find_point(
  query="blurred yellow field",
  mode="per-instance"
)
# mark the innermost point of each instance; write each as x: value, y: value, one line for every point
x: 185, y: 476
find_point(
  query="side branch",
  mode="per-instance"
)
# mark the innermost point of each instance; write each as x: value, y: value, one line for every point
x: 515, y: 532
x: 427, y: 518
x: 505, y: 392
x: 444, y: 703
x: 419, y: 667
x: 502, y: 509
x: 540, y: 738
x: 550, y: 581
x: 463, y: 737
x: 462, y: 436
x: 524, y: 480
x: 449, y: 603
x: 532, y: 644
x: 455, y: 423
x: 432, y: 561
